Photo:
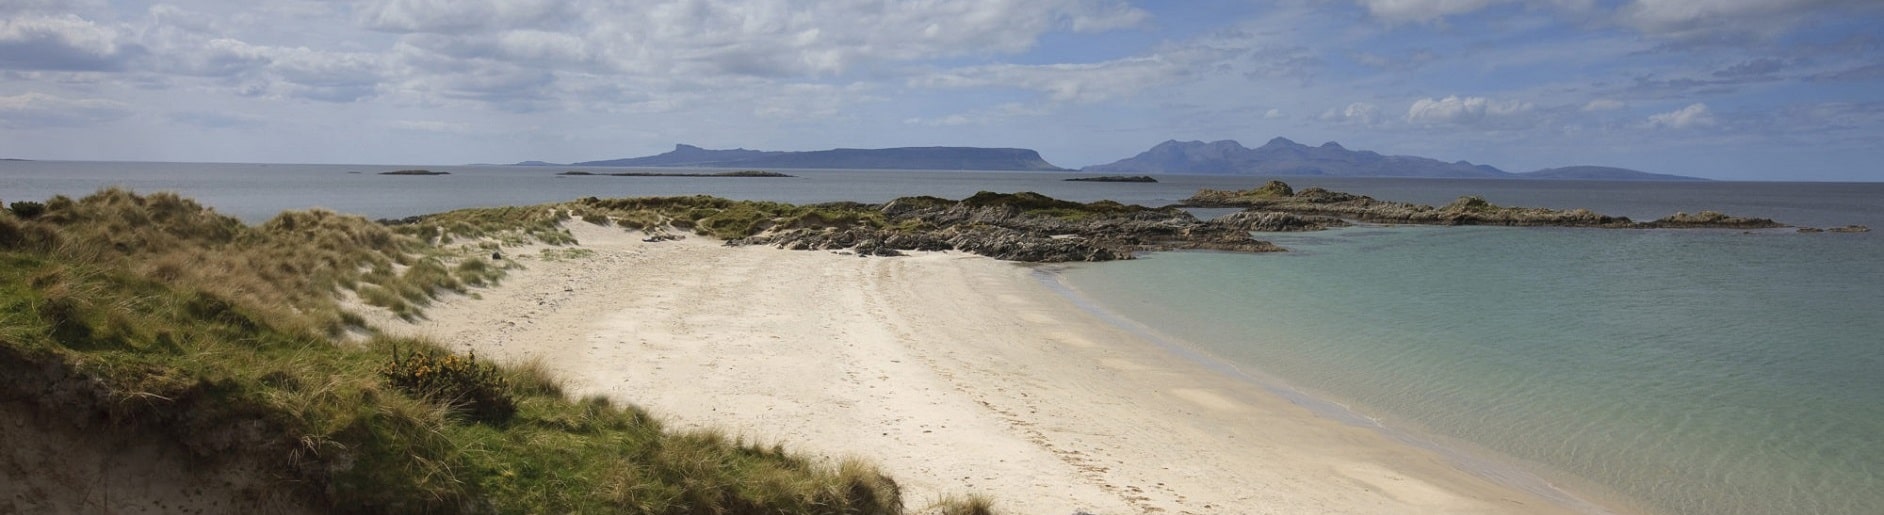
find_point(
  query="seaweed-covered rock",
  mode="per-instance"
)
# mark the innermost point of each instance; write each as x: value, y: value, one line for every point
x: 1271, y: 221
x: 1467, y: 210
x: 1711, y: 219
x: 1012, y: 226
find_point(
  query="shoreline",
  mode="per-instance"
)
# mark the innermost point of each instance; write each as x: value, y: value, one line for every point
x: 1537, y: 479
x: 957, y: 374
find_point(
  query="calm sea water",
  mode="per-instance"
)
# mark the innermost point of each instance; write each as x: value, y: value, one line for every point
x: 1695, y: 372
x: 1703, y: 372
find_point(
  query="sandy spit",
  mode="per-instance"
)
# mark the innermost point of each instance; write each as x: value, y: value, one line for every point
x: 955, y: 373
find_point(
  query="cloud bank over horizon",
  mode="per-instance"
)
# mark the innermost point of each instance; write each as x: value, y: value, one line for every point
x: 1728, y: 89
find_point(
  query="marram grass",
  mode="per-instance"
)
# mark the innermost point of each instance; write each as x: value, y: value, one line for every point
x: 156, y: 316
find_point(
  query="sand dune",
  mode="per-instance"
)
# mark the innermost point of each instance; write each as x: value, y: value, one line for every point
x: 956, y: 373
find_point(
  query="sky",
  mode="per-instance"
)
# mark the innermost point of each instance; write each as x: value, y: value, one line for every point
x: 1724, y: 89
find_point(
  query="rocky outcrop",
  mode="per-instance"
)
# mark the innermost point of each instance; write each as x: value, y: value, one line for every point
x: 1018, y: 227
x: 1278, y: 197
x: 1711, y: 219
x: 1848, y: 228
x: 1271, y: 221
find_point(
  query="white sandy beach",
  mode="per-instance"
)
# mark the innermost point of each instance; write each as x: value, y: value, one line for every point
x: 955, y: 373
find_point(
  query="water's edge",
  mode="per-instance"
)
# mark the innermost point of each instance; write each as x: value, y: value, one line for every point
x: 1503, y: 470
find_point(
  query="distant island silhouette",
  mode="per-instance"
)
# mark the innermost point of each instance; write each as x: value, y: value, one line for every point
x: 1278, y: 157
x: 906, y: 158
x: 1282, y: 157
x: 742, y: 173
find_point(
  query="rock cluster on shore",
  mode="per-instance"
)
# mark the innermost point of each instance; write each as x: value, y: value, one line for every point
x: 1114, y: 178
x: 1278, y: 198
x: 1847, y: 228
x: 1022, y: 227
x: 1018, y: 226
x: 1032, y: 227
x: 741, y: 173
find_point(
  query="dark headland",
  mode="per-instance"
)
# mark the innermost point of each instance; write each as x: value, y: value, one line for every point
x: 414, y: 172
x: 1114, y: 178
x: 741, y: 173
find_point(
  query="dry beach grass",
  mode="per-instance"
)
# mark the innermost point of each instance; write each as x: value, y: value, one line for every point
x: 159, y: 336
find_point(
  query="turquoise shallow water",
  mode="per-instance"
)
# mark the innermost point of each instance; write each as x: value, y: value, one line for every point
x: 1703, y: 372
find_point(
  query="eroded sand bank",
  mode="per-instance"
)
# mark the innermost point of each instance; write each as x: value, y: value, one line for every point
x: 955, y: 373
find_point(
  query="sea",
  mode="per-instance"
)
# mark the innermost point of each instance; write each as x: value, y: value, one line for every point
x: 1664, y: 371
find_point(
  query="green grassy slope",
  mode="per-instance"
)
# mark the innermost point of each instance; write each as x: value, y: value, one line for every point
x: 155, y: 316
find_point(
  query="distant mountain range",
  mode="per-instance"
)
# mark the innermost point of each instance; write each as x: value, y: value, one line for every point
x: 1282, y: 157
x: 908, y: 158
x: 1278, y: 157
x: 1603, y: 173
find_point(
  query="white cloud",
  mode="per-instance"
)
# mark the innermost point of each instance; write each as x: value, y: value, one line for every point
x: 1684, y: 18
x: 36, y: 110
x: 1695, y: 115
x: 432, y: 126
x: 1095, y: 17
x: 462, y: 15
x: 536, y: 45
x: 981, y: 117
x: 1358, y: 113
x: 1064, y: 82
x: 1603, y: 104
x: 216, y: 120
x: 1372, y: 59
x: 945, y: 121
x: 42, y: 6
x: 807, y: 101
x: 535, y: 54
x: 327, y: 76
x: 601, y: 76
x: 1410, y: 60
x: 218, y: 57
x: 763, y: 38
x: 1422, y: 10
x: 61, y: 42
x: 1464, y: 110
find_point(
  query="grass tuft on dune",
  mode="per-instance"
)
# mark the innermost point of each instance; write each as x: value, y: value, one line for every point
x: 154, y: 316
